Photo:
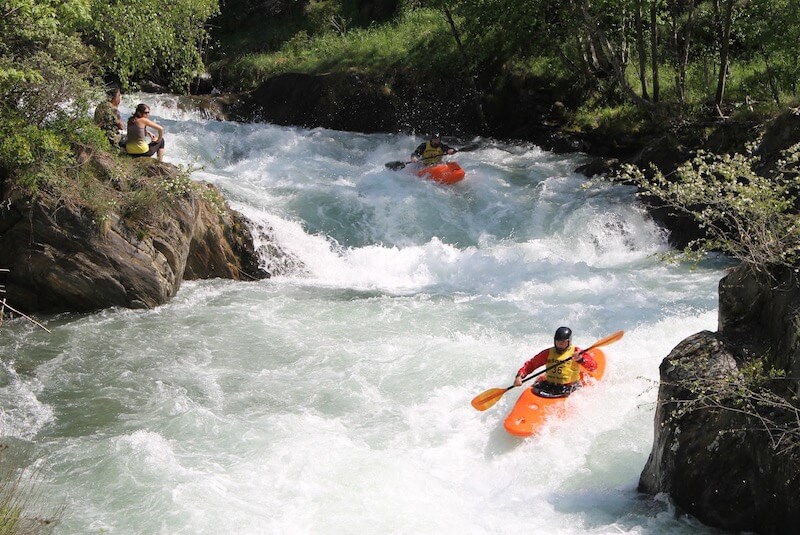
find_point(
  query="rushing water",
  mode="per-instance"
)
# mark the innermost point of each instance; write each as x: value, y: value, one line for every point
x: 336, y: 399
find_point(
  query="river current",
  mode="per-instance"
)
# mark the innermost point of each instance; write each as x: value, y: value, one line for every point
x: 336, y: 398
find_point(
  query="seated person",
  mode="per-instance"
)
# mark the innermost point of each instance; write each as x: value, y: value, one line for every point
x: 107, y: 117
x: 137, y: 144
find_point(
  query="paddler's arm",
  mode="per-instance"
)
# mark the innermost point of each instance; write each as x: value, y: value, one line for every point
x: 417, y: 154
x: 586, y: 360
x: 539, y: 360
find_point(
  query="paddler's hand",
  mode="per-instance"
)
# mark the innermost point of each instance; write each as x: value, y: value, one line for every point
x: 451, y: 151
x: 518, y: 380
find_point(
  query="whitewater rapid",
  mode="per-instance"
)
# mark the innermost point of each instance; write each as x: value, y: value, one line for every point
x: 335, y: 398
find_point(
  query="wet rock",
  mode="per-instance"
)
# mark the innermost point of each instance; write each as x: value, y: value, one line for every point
x: 721, y: 453
x: 64, y: 255
x: 598, y: 167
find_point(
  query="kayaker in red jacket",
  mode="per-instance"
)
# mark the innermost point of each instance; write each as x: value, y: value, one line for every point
x: 431, y: 151
x: 560, y: 380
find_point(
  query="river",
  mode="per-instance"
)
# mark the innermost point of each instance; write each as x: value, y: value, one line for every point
x: 336, y: 398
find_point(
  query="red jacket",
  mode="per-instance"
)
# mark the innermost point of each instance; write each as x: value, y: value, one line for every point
x: 540, y: 359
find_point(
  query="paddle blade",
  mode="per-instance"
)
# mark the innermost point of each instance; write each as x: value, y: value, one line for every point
x: 468, y: 148
x: 488, y: 398
x: 610, y: 339
x: 395, y: 166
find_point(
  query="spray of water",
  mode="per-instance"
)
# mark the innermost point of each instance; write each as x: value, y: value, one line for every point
x: 335, y: 398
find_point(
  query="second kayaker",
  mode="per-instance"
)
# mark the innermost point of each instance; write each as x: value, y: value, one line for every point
x: 431, y: 151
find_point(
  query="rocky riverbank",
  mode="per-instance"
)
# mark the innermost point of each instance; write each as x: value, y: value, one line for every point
x: 143, y: 229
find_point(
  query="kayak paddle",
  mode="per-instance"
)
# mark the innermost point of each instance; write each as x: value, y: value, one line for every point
x: 493, y: 395
x: 396, y: 166
x: 469, y: 148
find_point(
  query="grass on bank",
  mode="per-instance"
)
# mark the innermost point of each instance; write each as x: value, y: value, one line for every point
x: 419, y: 38
x: 748, y: 99
x: 73, y: 164
x: 420, y: 41
x: 21, y: 509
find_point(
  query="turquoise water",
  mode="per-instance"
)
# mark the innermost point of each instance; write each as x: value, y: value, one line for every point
x: 335, y: 398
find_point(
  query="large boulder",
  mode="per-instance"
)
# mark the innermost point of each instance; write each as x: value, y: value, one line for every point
x: 726, y: 445
x: 64, y: 255
x: 718, y: 460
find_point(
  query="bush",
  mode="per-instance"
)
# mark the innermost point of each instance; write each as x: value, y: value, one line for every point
x: 152, y: 40
x: 750, y: 217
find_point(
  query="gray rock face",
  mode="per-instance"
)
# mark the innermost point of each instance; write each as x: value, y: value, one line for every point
x: 723, y: 457
x: 762, y: 315
x: 62, y: 259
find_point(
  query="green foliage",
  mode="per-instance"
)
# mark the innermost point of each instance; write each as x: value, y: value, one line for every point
x: 45, y: 88
x: 215, y: 199
x: 38, y: 157
x: 178, y: 185
x: 31, y: 154
x: 326, y: 15
x: 139, y: 206
x: 44, y: 68
x: 756, y: 373
x: 419, y: 38
x: 748, y: 216
x: 617, y: 120
x: 139, y: 40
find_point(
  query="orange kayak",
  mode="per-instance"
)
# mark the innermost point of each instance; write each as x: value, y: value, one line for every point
x: 447, y: 173
x: 532, y: 410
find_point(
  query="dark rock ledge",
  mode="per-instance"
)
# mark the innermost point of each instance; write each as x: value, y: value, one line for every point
x: 62, y: 256
x: 736, y: 464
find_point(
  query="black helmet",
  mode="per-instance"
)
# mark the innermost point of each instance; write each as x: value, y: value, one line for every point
x: 563, y: 333
x: 436, y: 135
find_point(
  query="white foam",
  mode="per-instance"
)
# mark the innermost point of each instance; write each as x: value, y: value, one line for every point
x: 22, y: 414
x: 334, y: 398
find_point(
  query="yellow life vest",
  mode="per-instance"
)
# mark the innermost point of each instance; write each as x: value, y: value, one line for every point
x: 432, y: 155
x: 566, y: 373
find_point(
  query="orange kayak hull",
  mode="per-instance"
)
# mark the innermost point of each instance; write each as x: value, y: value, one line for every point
x: 532, y: 410
x: 446, y: 173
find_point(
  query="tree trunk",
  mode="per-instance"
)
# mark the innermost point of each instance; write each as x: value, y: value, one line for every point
x: 641, y: 49
x: 686, y: 42
x: 476, y: 96
x: 725, y: 38
x: 773, y: 86
x: 610, y: 55
x: 676, y: 47
x: 654, y: 48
